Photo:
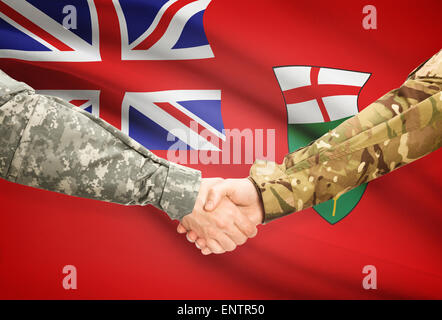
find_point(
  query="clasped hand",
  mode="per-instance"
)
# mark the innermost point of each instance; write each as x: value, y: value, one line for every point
x: 225, y: 215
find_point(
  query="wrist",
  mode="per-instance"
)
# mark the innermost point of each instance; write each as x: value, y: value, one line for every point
x: 257, y: 215
x: 180, y: 191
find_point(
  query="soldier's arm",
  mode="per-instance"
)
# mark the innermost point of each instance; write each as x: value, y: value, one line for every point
x: 399, y: 128
x: 48, y: 143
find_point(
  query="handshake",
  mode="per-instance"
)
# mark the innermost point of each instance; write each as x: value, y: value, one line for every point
x: 225, y: 215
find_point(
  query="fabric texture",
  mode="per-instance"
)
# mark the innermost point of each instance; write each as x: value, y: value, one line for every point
x: 402, y: 126
x: 50, y: 144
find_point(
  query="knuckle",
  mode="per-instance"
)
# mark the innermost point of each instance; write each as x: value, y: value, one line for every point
x: 212, y: 191
x: 221, y: 223
x: 248, y: 229
x: 232, y: 215
x: 251, y: 231
x: 211, y: 232
x: 254, y: 233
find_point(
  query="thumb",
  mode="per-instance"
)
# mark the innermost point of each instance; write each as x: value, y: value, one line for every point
x: 215, y: 194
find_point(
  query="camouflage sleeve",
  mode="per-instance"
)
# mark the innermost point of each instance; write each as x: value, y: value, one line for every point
x: 399, y: 128
x: 48, y: 143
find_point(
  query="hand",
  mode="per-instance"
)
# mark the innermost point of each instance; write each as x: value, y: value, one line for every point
x: 221, y: 230
x: 242, y: 193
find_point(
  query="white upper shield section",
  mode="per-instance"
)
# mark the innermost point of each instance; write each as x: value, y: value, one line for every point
x: 312, y: 94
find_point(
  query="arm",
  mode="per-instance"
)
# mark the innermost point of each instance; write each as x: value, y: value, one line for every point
x: 48, y: 143
x: 399, y: 128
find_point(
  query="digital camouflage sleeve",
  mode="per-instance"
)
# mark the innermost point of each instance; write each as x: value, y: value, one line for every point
x: 48, y: 143
x: 399, y: 128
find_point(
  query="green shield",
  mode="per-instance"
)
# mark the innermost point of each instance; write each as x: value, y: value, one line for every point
x: 300, y: 135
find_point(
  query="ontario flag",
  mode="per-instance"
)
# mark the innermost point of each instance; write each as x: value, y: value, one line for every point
x: 317, y: 100
x: 189, y: 73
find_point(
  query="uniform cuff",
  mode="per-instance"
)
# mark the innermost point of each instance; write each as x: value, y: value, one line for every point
x: 180, y: 191
x: 274, y: 188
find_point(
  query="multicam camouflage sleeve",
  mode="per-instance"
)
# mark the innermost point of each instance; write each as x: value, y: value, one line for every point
x: 399, y: 128
x: 48, y: 143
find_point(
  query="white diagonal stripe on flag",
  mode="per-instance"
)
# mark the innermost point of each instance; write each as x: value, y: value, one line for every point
x: 92, y: 97
x: 145, y: 102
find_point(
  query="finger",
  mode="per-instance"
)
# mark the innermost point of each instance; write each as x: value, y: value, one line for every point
x: 245, y: 225
x: 192, y: 235
x: 201, y: 243
x: 241, y: 227
x: 188, y: 238
x: 181, y: 229
x: 206, y: 251
x: 236, y: 235
x: 215, y: 194
x: 225, y: 242
x: 206, y: 184
x: 214, y: 246
x: 230, y: 228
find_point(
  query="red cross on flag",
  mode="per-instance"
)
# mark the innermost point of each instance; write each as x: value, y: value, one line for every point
x: 314, y: 94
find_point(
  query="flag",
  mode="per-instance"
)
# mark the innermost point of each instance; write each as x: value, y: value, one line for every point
x: 158, y: 119
x: 150, y: 30
x: 318, y: 100
x: 88, y: 100
x: 162, y: 30
x: 33, y: 30
x: 209, y: 68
